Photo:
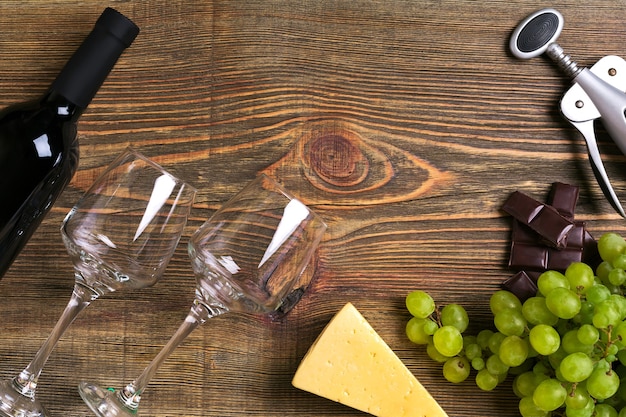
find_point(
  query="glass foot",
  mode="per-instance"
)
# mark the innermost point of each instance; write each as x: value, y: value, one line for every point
x: 103, y: 402
x: 14, y: 404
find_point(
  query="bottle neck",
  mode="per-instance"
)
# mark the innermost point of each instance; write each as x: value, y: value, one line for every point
x: 90, y: 65
x: 62, y: 106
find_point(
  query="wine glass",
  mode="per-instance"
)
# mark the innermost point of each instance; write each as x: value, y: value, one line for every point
x: 120, y: 234
x: 247, y: 257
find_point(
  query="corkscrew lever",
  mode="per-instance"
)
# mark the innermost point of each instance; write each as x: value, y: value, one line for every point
x: 594, y: 95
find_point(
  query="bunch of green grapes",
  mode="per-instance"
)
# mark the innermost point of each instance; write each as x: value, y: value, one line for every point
x: 565, y: 348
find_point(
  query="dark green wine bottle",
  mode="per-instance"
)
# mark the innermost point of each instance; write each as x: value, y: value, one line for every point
x: 38, y: 146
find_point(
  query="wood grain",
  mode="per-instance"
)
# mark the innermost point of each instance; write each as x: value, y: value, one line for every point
x: 405, y: 124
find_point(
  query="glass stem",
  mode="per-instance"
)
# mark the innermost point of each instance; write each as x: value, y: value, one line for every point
x: 200, y: 312
x: 26, y: 382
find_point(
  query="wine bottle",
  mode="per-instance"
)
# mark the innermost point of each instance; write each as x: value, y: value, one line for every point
x: 39, y: 150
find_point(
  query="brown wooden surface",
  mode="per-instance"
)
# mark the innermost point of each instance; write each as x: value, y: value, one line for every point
x: 404, y: 123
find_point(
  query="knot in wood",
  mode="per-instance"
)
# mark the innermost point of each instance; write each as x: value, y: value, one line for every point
x: 338, y: 159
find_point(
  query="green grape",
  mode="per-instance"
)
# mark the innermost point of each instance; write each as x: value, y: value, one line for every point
x: 448, y: 340
x: 610, y: 246
x: 605, y: 410
x: 485, y: 380
x: 434, y: 354
x: 454, y: 315
x: 563, y: 302
x: 619, y: 261
x: 606, y: 314
x: 456, y: 369
x: 515, y: 391
x: 622, y: 412
x: 503, y: 300
x: 611, y: 350
x: 527, y: 408
x: 550, y: 280
x: 502, y: 377
x: 495, y: 366
x: 621, y: 356
x: 585, y: 315
x: 495, y: 341
x: 617, y: 276
x: 510, y: 322
x: 615, y: 289
x: 602, y: 384
x: 532, y: 353
x: 603, y: 365
x: 555, y: 359
x: 415, y: 331
x: 542, y: 369
x: 420, y: 304
x: 478, y: 364
x: 571, y: 343
x: 482, y: 338
x: 602, y: 271
x: 557, y: 374
x: 587, y: 334
x: 536, y: 311
x: 549, y: 395
x: 601, y: 321
x: 586, y: 411
x: 576, y: 367
x: 513, y: 351
x: 597, y: 293
x: 430, y: 327
x: 620, y: 303
x: 469, y: 339
x: 473, y: 351
x: 580, y: 277
x: 526, y: 383
x: 544, y: 339
x: 577, y: 398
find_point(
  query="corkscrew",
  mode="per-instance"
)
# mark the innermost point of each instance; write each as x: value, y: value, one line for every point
x: 597, y: 92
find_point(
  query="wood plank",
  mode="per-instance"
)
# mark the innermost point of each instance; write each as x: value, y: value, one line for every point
x: 405, y: 124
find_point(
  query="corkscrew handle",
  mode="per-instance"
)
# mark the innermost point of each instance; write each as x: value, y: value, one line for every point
x: 536, y: 33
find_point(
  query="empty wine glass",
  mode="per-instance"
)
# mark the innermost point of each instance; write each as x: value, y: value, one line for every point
x: 120, y: 234
x: 247, y: 258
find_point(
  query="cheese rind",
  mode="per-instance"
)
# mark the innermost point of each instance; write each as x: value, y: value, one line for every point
x: 351, y: 364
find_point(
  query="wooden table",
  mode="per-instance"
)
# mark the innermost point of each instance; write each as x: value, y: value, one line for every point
x: 405, y: 124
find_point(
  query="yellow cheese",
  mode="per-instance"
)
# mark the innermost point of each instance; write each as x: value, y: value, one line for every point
x: 351, y: 364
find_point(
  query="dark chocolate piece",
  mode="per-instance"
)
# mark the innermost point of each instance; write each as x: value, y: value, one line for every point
x: 541, y: 218
x: 559, y: 260
x: 534, y: 275
x: 522, y: 233
x: 563, y: 197
x: 576, y: 236
x: 591, y: 255
x: 529, y: 253
x: 542, y: 258
x: 522, y: 285
x: 528, y: 256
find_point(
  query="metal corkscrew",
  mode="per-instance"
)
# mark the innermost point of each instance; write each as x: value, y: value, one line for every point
x: 597, y: 92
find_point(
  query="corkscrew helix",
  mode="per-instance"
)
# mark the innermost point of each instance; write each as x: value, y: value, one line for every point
x: 597, y: 92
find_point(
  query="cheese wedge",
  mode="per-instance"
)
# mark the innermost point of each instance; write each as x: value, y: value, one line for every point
x: 351, y: 364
